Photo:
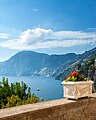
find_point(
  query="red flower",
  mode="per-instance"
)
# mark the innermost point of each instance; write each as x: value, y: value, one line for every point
x: 67, y: 76
x: 74, y: 74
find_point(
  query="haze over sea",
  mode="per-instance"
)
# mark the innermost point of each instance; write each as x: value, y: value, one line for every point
x: 47, y: 88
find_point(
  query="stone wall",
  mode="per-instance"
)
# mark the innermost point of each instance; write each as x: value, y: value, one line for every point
x: 61, y: 109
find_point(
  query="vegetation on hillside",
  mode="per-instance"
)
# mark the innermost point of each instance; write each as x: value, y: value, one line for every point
x: 15, y: 94
x: 64, y: 70
x: 86, y: 67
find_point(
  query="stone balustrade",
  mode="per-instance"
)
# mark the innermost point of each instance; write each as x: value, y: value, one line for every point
x: 61, y: 109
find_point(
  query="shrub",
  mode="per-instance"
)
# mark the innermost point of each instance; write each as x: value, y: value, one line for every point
x: 15, y: 94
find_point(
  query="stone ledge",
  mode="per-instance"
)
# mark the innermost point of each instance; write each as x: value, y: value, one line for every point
x: 61, y: 109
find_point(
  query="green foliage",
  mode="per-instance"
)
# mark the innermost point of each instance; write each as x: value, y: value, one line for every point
x: 14, y: 100
x: 74, y: 76
x: 15, y: 94
x: 86, y: 67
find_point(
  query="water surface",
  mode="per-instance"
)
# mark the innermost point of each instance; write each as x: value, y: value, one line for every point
x: 46, y: 88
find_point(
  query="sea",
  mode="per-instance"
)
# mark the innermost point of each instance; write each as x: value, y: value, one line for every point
x: 46, y: 88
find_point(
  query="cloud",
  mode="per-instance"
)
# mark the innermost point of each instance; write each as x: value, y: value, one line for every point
x: 38, y: 38
x: 34, y: 10
x: 4, y: 36
x: 31, y: 36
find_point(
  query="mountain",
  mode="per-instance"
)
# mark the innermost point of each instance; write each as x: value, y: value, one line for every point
x: 27, y: 63
x: 86, y: 64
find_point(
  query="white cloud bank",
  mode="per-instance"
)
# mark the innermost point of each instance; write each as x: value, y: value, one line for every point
x: 37, y: 38
x: 4, y: 36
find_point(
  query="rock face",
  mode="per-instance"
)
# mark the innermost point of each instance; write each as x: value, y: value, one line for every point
x: 26, y: 63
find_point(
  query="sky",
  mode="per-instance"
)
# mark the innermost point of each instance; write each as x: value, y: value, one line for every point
x: 47, y: 26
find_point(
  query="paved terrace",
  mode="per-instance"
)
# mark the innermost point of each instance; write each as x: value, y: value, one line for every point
x: 61, y: 109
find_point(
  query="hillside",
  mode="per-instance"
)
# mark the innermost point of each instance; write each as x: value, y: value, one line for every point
x: 85, y: 65
x: 27, y: 63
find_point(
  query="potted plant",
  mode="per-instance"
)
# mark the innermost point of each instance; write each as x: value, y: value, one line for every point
x: 77, y: 86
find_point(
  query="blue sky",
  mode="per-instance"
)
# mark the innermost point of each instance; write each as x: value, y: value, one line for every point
x: 48, y: 26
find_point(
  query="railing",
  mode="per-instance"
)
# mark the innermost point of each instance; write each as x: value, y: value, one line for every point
x: 61, y: 109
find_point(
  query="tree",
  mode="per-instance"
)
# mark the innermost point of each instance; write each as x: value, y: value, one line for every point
x: 15, y: 94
